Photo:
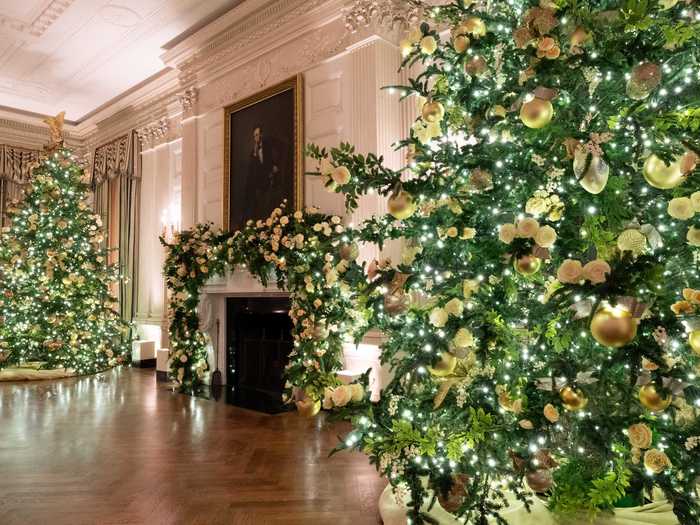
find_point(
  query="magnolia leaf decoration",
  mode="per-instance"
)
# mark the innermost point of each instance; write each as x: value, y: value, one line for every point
x: 582, y: 378
x: 443, y: 390
x: 675, y: 386
x: 582, y: 308
x: 635, y: 307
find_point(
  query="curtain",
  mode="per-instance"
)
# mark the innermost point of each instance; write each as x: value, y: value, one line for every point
x: 116, y: 180
x: 15, y: 168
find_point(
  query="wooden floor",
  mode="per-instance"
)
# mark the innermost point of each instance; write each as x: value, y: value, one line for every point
x: 118, y: 449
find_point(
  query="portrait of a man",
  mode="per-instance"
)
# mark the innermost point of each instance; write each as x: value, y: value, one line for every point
x: 263, y: 143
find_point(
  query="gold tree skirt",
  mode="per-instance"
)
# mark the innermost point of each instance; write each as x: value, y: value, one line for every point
x: 393, y: 512
x: 32, y: 372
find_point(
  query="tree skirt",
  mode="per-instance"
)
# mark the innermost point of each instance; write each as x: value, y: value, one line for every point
x: 392, y: 509
x: 32, y: 372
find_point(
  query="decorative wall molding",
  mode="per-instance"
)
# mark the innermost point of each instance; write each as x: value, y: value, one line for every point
x: 188, y: 101
x: 154, y: 134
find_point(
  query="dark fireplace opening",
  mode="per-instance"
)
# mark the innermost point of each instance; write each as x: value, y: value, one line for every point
x: 258, y: 343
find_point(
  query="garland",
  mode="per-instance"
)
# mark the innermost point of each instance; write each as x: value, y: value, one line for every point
x: 310, y: 255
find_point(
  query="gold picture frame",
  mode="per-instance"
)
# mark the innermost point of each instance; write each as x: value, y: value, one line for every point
x: 234, y: 161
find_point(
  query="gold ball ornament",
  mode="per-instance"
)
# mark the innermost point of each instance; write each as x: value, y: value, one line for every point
x: 644, y: 78
x: 527, y: 265
x: 536, y: 113
x: 613, y: 326
x: 694, y: 341
x: 401, y: 205
x: 652, y: 400
x: 433, y: 112
x: 540, y: 480
x: 454, y: 499
x: 662, y: 176
x: 596, y: 174
x: 308, y: 407
x: 573, y: 399
x: 474, y: 26
x: 445, y: 366
x: 461, y: 43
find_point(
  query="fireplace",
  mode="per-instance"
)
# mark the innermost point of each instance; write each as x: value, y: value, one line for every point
x: 258, y: 343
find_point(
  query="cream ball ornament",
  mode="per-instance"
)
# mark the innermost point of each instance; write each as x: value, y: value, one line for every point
x: 401, y: 205
x: 536, y: 113
x: 613, y: 326
x: 592, y: 174
x: 694, y: 341
x: 664, y: 176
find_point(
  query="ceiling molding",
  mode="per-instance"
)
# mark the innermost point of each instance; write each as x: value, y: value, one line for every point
x: 41, y: 22
x: 240, y: 42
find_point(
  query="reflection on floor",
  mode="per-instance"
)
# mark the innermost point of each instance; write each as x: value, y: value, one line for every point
x: 118, y: 449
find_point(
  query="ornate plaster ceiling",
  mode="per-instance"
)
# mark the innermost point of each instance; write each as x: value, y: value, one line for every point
x: 77, y: 55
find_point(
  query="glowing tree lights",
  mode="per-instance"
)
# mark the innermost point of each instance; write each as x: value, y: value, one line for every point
x: 543, y: 323
x: 56, y: 309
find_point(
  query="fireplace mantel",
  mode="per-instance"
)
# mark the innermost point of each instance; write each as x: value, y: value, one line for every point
x: 240, y: 283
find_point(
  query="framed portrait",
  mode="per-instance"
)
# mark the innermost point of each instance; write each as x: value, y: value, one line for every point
x: 263, y: 154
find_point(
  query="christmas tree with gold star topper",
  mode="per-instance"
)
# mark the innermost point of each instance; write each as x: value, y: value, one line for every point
x: 543, y: 323
x: 56, y: 309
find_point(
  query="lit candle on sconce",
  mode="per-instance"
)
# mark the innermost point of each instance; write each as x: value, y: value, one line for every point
x: 170, y: 221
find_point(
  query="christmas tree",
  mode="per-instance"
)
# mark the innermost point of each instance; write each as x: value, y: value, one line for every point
x: 543, y: 321
x: 56, y: 309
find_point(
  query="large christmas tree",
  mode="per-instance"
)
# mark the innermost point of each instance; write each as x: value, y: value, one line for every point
x: 56, y: 309
x: 542, y: 323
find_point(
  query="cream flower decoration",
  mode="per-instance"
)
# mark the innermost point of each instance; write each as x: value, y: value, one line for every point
x: 438, y: 317
x: 358, y: 392
x: 551, y: 413
x: 528, y: 227
x: 596, y: 271
x: 681, y: 208
x: 656, y: 461
x: 695, y: 201
x: 546, y: 236
x: 507, y: 232
x: 454, y: 307
x: 639, y: 436
x: 693, y: 236
x: 570, y: 271
x: 468, y: 233
x: 341, y: 395
x: 341, y: 175
x: 463, y: 339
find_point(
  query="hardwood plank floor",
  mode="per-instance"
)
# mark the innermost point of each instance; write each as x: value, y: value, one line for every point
x: 118, y: 449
